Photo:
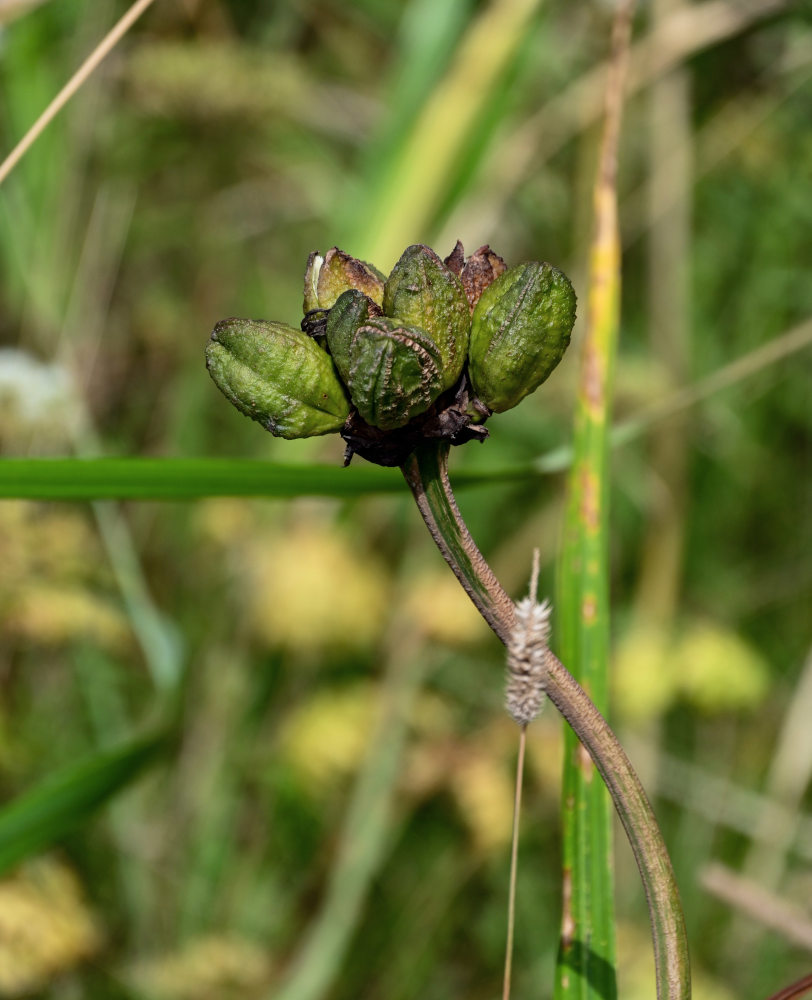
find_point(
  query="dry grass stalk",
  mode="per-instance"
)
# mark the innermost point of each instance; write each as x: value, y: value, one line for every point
x: 110, y: 40
x: 527, y: 649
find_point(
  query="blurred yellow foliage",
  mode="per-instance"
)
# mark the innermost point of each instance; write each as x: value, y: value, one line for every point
x: 211, y: 967
x: 325, y: 738
x: 310, y: 590
x: 40, y: 540
x: 433, y: 716
x: 226, y: 521
x: 635, y: 970
x: 49, y: 586
x: 719, y: 671
x: 709, y: 666
x: 478, y: 771
x: 56, y: 615
x: 45, y: 927
x: 483, y: 789
x: 442, y: 610
x: 644, y: 682
x: 545, y: 754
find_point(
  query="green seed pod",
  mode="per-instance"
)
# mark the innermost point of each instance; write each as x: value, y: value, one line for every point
x: 393, y: 371
x: 278, y: 376
x: 520, y: 329
x: 328, y: 277
x: 422, y: 292
x: 352, y: 310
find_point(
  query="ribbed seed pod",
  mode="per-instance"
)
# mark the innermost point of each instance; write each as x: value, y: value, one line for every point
x: 328, y: 277
x: 520, y: 329
x: 393, y: 372
x: 278, y: 376
x: 351, y: 310
x: 423, y: 292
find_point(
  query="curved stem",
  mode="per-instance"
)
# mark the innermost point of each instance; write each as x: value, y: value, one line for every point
x: 797, y: 989
x: 426, y: 472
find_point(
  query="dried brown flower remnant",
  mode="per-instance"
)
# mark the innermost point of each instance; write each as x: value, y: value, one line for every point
x: 527, y: 650
x: 328, y: 277
x: 481, y: 269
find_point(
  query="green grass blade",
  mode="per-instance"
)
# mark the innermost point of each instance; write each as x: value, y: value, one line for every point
x: 195, y: 478
x: 586, y: 960
x: 64, y: 800
x: 182, y: 479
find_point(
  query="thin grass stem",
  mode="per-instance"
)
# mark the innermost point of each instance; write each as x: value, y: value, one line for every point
x: 514, y: 854
x: 105, y: 46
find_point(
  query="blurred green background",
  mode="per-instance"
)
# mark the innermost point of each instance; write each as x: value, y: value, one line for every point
x: 330, y: 816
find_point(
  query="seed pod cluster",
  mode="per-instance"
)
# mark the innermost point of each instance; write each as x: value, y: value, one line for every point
x: 396, y: 365
x: 430, y: 351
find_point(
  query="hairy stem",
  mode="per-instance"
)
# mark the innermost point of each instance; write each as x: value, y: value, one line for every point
x: 426, y: 472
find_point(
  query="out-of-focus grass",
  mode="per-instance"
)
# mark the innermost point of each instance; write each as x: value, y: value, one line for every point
x: 218, y: 146
x: 64, y: 800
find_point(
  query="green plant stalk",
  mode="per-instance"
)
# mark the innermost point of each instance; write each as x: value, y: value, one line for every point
x: 426, y: 472
x: 585, y: 969
x: 586, y: 960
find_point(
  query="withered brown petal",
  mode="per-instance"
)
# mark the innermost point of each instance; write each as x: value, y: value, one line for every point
x: 480, y: 270
x: 455, y: 260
